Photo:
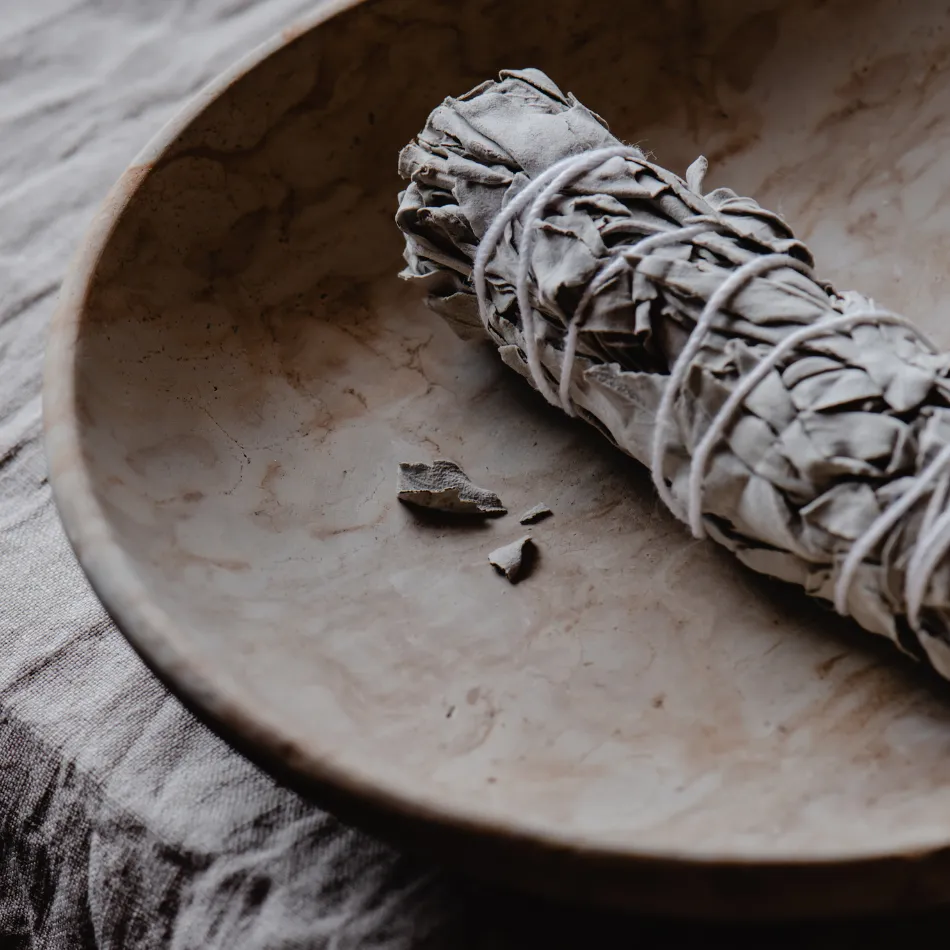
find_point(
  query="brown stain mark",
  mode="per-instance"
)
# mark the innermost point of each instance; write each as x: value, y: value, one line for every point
x: 878, y: 82
x: 321, y: 534
x: 234, y: 565
x: 864, y: 225
x: 274, y: 470
x: 747, y: 46
x: 735, y: 146
x: 471, y: 729
x: 839, y: 116
x: 233, y: 252
x: 358, y: 396
x: 877, y: 691
x: 824, y: 668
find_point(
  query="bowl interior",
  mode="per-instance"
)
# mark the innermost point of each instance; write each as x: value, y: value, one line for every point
x: 249, y: 372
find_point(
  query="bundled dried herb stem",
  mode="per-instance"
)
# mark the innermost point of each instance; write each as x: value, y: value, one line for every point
x: 831, y: 436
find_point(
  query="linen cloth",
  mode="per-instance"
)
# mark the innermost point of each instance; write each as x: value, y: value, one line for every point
x: 125, y: 823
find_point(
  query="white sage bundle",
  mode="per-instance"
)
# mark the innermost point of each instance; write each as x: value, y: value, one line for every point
x: 807, y: 431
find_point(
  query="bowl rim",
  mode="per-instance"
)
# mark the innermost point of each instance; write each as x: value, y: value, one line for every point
x: 165, y: 648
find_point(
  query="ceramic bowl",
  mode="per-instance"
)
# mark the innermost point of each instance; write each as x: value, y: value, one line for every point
x: 235, y: 372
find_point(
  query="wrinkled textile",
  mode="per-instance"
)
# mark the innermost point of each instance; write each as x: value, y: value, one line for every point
x: 123, y: 822
x: 599, y: 290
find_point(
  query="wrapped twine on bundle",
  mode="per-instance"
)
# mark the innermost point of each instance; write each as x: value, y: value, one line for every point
x: 807, y: 431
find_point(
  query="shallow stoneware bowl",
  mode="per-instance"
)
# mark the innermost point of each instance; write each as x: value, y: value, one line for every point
x: 235, y: 372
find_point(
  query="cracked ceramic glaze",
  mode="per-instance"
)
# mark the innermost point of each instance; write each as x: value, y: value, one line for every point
x: 235, y: 373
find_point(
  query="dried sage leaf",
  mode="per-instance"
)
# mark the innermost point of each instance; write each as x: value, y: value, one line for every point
x: 509, y: 559
x: 443, y: 486
x: 535, y: 514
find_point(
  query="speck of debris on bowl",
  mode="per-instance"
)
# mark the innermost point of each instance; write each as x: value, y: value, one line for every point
x: 509, y: 559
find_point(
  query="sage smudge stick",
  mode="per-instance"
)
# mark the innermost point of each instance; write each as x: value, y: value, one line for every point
x: 806, y: 430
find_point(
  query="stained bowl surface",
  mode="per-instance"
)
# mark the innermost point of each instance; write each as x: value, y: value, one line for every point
x: 235, y: 372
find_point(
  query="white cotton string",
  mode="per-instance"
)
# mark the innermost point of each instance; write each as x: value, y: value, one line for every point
x: 620, y: 259
x: 933, y: 541
x: 863, y: 546
x: 491, y: 238
x: 717, y: 427
x: 719, y: 299
x: 927, y: 554
x: 932, y: 544
x: 937, y: 499
x: 540, y: 191
x: 496, y: 229
x: 916, y: 582
x: 916, y: 576
x: 580, y: 166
